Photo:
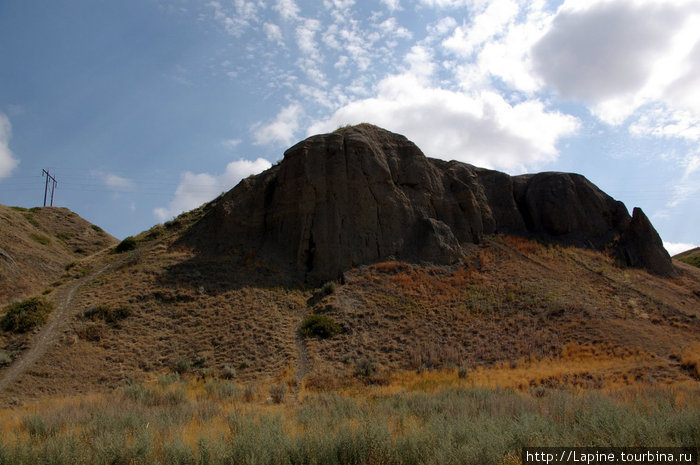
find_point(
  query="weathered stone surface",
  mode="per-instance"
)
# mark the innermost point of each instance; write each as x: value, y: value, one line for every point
x: 363, y: 194
x: 640, y: 246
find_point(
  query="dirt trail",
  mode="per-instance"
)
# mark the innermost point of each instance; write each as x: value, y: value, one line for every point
x: 51, y: 331
x: 303, y: 362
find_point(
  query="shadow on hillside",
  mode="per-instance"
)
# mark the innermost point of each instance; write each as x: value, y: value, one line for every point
x: 214, y: 275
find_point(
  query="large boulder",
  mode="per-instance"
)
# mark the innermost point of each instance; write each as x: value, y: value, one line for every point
x: 363, y: 194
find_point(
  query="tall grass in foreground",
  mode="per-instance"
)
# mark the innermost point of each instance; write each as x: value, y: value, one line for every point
x: 175, y: 423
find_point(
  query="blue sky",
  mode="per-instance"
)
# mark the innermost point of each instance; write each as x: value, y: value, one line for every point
x: 143, y: 109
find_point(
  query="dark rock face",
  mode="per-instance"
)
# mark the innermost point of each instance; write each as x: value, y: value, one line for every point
x: 363, y: 194
x: 640, y: 246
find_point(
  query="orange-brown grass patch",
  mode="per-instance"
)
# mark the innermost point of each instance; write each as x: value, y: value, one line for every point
x: 523, y: 245
x: 690, y: 359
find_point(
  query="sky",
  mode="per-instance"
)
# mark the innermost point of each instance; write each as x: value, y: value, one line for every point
x: 143, y: 109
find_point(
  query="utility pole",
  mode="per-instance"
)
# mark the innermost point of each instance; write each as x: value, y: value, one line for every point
x: 46, y: 187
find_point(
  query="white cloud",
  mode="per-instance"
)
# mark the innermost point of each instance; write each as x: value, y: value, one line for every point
x: 619, y: 56
x: 493, y: 21
x: 282, y: 130
x: 287, y: 9
x: 675, y: 248
x: 482, y: 129
x: 196, y: 189
x: 118, y: 183
x: 7, y: 160
x: 236, y: 21
x: 392, y: 5
x: 306, y: 37
x: 446, y: 3
x: 687, y: 186
x: 273, y: 33
x: 391, y: 28
x: 230, y: 143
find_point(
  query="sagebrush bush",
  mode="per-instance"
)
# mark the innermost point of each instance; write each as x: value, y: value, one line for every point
x: 21, y: 317
x: 329, y: 288
x: 150, y: 425
x: 127, y: 244
x: 277, y: 392
x: 107, y: 314
x: 320, y: 326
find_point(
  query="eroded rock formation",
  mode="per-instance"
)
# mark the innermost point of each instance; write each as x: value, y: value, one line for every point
x: 363, y: 194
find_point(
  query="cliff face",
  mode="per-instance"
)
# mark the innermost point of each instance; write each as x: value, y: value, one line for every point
x: 363, y: 194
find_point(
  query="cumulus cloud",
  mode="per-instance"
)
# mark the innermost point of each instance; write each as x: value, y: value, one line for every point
x: 197, y: 188
x: 482, y: 129
x: 7, y: 160
x: 675, y: 248
x: 618, y: 56
x: 282, y: 129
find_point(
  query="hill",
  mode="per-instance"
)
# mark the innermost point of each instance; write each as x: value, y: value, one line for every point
x: 38, y: 244
x: 546, y: 305
x: 692, y: 257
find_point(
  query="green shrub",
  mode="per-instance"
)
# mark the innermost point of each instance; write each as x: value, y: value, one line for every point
x: 5, y: 358
x: 127, y: 244
x: 40, y: 238
x: 182, y: 366
x: 365, y: 367
x: 329, y: 288
x: 21, y: 317
x: 320, y: 326
x: 96, y: 228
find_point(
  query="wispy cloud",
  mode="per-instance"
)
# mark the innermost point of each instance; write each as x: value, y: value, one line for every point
x: 273, y: 33
x: 118, y: 183
x: 238, y: 19
x: 198, y: 188
x: 287, y: 9
x: 7, y: 160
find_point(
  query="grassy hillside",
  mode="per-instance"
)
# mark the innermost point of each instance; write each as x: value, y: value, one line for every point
x: 691, y: 257
x: 157, y: 355
x: 38, y: 244
x: 516, y: 314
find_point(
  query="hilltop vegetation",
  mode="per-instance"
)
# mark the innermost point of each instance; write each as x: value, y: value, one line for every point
x: 38, y: 244
x: 691, y: 257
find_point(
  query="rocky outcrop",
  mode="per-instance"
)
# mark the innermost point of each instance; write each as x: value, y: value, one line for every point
x: 363, y: 194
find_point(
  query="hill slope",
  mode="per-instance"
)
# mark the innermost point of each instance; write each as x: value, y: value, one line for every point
x: 527, y: 295
x: 37, y: 244
x: 508, y: 312
x: 692, y: 257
